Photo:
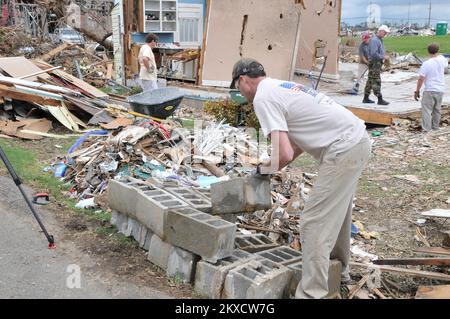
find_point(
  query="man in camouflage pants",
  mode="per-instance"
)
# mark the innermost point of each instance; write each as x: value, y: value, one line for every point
x: 376, y: 59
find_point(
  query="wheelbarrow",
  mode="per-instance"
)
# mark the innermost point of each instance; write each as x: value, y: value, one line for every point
x: 159, y: 103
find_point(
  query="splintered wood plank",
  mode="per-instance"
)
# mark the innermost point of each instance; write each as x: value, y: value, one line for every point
x: 20, y: 66
x: 81, y: 84
x: 433, y: 292
x: 46, y: 57
x: 433, y: 251
x: 373, y: 117
x: 12, y: 93
x: 404, y: 271
x: 413, y: 261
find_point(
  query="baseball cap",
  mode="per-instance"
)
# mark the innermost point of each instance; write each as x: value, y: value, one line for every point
x: 246, y: 66
x: 366, y: 35
x: 384, y: 28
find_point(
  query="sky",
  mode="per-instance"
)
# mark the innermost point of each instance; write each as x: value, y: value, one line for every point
x: 356, y: 11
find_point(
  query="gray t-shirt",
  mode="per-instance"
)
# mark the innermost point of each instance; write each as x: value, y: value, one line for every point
x: 364, y: 50
x: 313, y: 121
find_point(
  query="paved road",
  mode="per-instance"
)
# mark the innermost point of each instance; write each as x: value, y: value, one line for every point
x: 29, y: 270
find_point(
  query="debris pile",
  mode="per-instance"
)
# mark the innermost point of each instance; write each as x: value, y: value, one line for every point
x: 81, y: 63
x: 15, y: 42
x: 33, y: 90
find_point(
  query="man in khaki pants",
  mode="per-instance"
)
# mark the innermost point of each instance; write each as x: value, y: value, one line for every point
x: 297, y: 119
x: 432, y: 74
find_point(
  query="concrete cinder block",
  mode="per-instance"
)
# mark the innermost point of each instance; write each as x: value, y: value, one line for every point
x: 205, y: 192
x: 334, y: 278
x: 182, y: 264
x: 283, y: 255
x: 254, y: 243
x: 141, y: 234
x: 152, y: 207
x: 191, y: 197
x: 159, y: 252
x: 120, y: 221
x: 205, y: 235
x: 122, y: 194
x: 210, y: 278
x: 241, y: 195
x: 259, y: 278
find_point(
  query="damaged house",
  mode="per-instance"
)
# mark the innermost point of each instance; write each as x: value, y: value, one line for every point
x: 303, y: 36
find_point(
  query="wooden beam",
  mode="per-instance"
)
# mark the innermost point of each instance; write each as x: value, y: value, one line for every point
x: 433, y: 292
x: 372, y: 116
x: 12, y: 93
x: 407, y: 272
x: 46, y: 57
x: 141, y: 27
x: 39, y: 72
x: 361, y: 283
x: 413, y: 261
x: 433, y: 251
x: 216, y: 171
x: 202, y: 51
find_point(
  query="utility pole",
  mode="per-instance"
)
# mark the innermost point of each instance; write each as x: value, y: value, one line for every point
x: 429, y: 16
x: 409, y: 10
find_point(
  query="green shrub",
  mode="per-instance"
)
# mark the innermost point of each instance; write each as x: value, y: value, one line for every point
x: 233, y: 113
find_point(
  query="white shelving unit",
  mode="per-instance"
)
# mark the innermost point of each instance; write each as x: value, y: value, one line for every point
x: 161, y: 16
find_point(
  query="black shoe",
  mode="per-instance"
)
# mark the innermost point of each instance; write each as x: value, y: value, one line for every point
x: 381, y: 101
x: 367, y: 100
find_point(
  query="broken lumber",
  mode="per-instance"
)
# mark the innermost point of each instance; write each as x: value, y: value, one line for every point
x: 433, y: 292
x: 46, y: 57
x: 36, y: 85
x: 413, y: 261
x: 213, y: 169
x: 433, y: 251
x: 377, y: 292
x: 404, y: 271
x: 39, y: 72
x: 361, y: 283
x: 85, y: 87
x: 14, y: 94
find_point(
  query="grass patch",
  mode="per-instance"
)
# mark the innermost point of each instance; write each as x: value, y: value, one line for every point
x: 406, y: 44
x: 29, y: 167
x: 370, y: 189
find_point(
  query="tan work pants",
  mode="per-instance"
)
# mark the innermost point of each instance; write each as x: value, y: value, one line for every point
x: 431, y: 110
x: 325, y: 223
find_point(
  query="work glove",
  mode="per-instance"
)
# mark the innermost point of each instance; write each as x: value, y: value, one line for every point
x: 417, y: 95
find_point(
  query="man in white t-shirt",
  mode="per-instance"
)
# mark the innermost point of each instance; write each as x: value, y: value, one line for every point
x: 298, y: 119
x: 148, y: 75
x: 432, y: 73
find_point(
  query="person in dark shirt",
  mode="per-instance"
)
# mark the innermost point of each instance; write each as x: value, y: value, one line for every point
x: 363, y: 61
x: 377, y: 56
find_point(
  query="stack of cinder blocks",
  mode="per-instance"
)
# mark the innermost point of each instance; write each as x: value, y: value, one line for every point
x: 175, y: 225
x: 268, y: 273
x: 170, y: 225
